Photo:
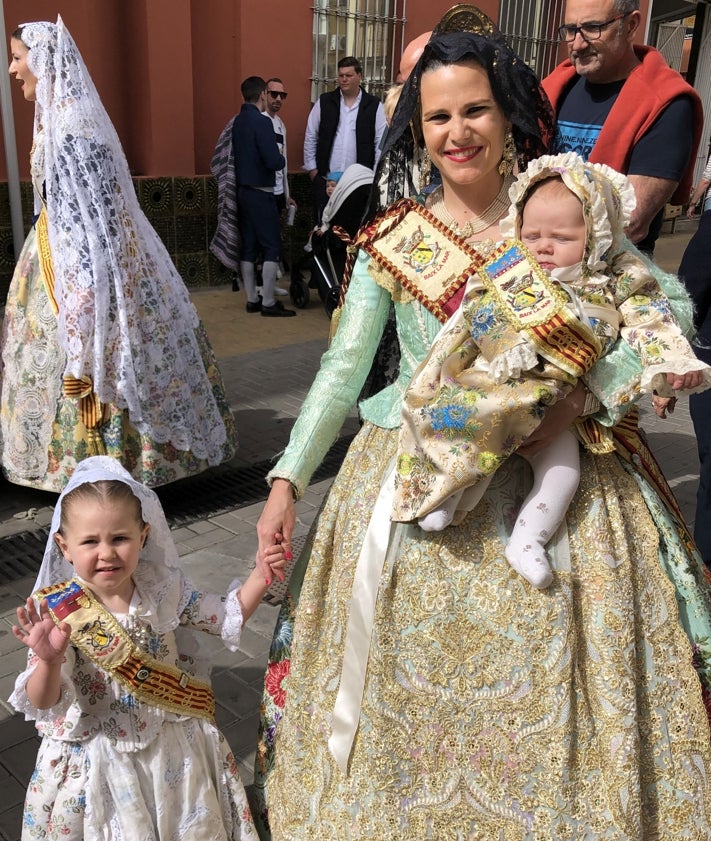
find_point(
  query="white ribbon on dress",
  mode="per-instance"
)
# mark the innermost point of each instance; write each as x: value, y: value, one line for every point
x: 378, y: 546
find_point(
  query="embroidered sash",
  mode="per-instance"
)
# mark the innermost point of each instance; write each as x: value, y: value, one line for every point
x: 90, y: 408
x: 537, y: 306
x: 97, y: 634
x: 632, y: 446
x: 425, y: 256
x: 91, y: 411
x: 45, y: 258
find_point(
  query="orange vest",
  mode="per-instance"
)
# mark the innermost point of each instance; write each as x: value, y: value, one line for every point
x: 648, y: 90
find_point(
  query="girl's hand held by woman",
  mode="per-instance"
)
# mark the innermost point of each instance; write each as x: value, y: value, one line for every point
x: 275, y: 526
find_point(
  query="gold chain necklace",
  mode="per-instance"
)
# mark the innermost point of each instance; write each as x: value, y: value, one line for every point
x: 493, y: 213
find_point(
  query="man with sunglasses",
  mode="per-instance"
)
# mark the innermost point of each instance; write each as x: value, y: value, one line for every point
x: 620, y: 104
x: 275, y: 99
x: 257, y: 158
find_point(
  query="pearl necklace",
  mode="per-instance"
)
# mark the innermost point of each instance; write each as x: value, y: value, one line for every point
x: 493, y: 213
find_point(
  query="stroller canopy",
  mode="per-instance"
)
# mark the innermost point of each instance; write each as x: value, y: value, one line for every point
x: 354, y: 177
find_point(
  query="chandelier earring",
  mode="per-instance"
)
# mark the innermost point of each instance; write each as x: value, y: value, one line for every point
x: 508, y: 157
x: 425, y: 169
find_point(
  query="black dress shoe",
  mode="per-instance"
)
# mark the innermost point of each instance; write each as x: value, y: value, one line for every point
x: 254, y: 307
x: 278, y: 310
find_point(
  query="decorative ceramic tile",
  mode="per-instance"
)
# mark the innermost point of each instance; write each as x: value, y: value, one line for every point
x: 210, y: 227
x: 27, y: 195
x: 193, y: 268
x: 5, y: 213
x: 217, y: 273
x: 7, y: 251
x: 166, y: 231
x: 156, y: 196
x: 190, y: 234
x: 211, y: 192
x: 189, y: 195
x: 5, y: 278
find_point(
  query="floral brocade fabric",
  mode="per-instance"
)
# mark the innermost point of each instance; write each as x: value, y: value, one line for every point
x: 493, y: 710
x: 114, y: 766
x: 41, y: 430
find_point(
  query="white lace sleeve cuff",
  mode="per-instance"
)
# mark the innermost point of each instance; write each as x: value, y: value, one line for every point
x: 655, y: 381
x: 232, y: 626
x: 20, y: 702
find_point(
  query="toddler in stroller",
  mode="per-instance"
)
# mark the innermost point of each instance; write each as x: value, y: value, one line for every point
x: 326, y: 258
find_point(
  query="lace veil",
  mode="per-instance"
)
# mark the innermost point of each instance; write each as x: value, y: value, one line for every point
x: 125, y: 318
x: 157, y: 571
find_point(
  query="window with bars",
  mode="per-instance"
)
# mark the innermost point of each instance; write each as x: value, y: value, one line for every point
x: 531, y: 27
x: 373, y: 32
x: 370, y: 30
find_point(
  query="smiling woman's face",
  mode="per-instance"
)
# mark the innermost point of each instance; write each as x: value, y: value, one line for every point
x: 19, y: 69
x: 463, y: 126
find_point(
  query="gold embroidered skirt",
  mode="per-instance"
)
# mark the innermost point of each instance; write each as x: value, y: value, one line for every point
x: 493, y: 710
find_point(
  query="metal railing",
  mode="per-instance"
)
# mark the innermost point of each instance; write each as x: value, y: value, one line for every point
x: 531, y: 27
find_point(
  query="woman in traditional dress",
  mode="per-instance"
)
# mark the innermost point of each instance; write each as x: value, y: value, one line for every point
x: 427, y: 690
x: 102, y: 350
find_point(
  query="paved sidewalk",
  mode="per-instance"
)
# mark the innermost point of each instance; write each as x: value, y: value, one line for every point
x: 267, y: 365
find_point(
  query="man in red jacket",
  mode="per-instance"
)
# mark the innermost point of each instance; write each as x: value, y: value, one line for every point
x: 622, y: 105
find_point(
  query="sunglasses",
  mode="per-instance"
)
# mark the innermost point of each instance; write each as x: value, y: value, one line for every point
x: 277, y: 94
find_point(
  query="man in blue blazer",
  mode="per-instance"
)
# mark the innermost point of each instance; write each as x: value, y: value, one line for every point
x: 257, y: 160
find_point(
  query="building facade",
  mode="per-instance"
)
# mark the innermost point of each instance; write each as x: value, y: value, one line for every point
x: 169, y: 73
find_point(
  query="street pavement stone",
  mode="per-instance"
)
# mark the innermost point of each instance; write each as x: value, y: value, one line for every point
x: 267, y: 366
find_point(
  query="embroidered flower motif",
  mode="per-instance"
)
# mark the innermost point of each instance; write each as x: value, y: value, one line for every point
x: 281, y: 641
x: 447, y: 417
x: 488, y: 462
x: 405, y: 464
x: 482, y: 321
x: 273, y: 682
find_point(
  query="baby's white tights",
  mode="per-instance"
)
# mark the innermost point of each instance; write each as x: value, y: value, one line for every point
x: 556, y: 473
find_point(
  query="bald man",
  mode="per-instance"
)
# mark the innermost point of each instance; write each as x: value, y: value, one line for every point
x: 411, y: 55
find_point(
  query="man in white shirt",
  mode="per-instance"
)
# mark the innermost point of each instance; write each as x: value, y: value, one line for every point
x: 345, y: 127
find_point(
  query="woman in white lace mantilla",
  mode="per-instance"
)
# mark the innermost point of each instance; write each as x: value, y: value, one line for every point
x: 103, y: 352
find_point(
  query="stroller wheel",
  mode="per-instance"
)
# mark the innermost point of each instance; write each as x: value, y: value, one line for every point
x: 299, y: 292
x: 331, y: 299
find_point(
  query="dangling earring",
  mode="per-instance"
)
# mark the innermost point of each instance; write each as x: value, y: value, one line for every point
x: 509, y: 155
x: 425, y: 170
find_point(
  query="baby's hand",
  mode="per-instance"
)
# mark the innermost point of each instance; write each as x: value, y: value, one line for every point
x: 662, y: 405
x: 684, y: 382
x: 38, y: 632
x: 277, y: 557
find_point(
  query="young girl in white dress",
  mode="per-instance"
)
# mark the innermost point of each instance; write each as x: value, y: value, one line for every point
x: 130, y: 749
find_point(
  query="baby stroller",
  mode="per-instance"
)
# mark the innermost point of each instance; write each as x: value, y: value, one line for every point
x: 341, y: 219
